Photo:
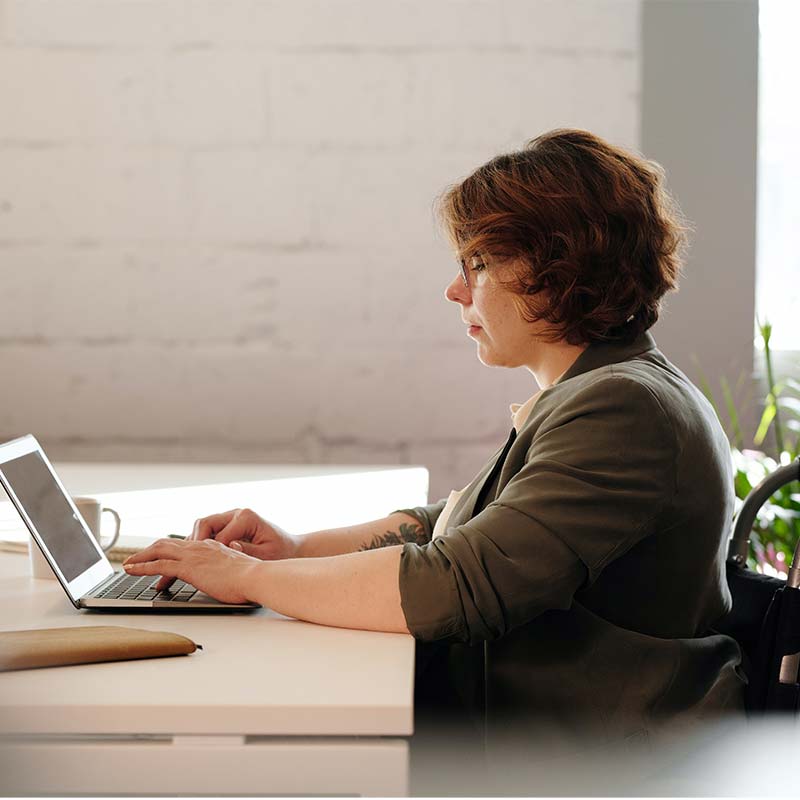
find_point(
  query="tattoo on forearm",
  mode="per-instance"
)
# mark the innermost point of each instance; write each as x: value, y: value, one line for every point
x: 408, y: 533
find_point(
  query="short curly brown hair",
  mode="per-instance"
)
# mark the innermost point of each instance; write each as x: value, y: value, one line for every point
x: 598, y: 234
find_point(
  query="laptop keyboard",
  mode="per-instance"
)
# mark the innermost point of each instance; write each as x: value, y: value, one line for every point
x: 131, y: 587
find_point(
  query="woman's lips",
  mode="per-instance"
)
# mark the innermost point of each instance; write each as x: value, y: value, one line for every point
x: 472, y: 330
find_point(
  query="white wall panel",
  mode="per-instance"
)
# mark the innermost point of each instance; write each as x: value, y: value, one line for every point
x: 216, y: 230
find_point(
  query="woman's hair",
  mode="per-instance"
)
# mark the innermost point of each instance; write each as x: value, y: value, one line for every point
x: 598, y: 234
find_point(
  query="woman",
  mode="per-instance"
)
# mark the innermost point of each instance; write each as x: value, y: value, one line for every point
x: 575, y: 580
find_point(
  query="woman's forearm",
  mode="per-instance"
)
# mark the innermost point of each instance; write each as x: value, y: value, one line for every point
x: 355, y: 590
x: 392, y: 530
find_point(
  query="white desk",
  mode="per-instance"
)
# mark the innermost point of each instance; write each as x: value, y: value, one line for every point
x: 270, y: 706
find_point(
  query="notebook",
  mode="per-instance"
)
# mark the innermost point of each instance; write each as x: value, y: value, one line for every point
x: 73, y: 554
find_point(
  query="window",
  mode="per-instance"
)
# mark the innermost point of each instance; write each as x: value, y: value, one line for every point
x: 778, y: 223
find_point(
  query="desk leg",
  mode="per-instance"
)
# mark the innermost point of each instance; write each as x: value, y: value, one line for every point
x: 197, y: 765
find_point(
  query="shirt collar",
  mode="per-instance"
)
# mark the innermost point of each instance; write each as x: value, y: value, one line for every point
x: 597, y: 354
x: 521, y: 411
x: 601, y: 354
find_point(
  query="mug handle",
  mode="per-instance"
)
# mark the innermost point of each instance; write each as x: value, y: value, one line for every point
x: 107, y: 547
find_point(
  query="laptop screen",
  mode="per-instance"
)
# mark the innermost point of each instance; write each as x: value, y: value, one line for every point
x: 52, y: 516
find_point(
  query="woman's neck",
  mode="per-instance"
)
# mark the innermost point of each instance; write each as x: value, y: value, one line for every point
x: 553, y: 361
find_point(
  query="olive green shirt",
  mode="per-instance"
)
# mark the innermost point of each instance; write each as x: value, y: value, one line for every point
x: 580, y: 591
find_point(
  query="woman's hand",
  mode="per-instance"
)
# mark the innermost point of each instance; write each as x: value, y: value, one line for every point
x: 225, y: 573
x: 252, y: 534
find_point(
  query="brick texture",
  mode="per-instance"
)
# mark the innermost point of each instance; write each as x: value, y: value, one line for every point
x: 216, y: 228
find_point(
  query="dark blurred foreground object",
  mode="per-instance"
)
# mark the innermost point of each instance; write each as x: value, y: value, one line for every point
x: 765, y: 618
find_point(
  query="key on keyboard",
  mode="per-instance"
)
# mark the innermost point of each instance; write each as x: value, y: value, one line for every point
x: 131, y: 587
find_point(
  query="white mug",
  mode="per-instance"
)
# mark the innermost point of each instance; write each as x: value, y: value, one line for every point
x: 92, y: 511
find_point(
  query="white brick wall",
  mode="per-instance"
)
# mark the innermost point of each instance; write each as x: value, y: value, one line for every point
x: 216, y: 238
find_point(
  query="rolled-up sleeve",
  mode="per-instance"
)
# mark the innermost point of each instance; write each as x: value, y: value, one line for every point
x: 599, y: 472
x: 425, y: 515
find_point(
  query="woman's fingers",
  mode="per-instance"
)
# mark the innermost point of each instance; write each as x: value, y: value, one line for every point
x: 164, y: 584
x: 160, y: 558
x: 245, y: 547
x: 208, y: 527
x: 156, y: 550
x: 161, y: 566
x: 240, y: 526
x: 155, y: 554
x: 209, y: 566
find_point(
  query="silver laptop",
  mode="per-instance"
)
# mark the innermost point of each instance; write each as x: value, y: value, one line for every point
x: 73, y: 553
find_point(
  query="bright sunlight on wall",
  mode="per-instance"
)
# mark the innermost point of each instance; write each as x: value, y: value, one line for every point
x: 778, y: 254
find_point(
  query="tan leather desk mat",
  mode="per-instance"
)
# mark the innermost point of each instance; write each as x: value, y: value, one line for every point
x: 54, y: 647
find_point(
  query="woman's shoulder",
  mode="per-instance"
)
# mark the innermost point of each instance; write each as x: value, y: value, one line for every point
x: 646, y: 393
x: 640, y: 383
x: 647, y: 380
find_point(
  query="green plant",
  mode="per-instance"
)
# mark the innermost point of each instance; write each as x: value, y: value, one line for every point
x: 776, y: 530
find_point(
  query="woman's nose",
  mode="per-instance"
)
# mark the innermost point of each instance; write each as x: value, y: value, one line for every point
x: 456, y: 291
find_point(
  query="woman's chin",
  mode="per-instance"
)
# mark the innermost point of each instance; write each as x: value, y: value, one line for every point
x: 488, y: 359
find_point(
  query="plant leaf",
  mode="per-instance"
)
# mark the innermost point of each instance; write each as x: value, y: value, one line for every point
x: 790, y: 403
x: 766, y: 421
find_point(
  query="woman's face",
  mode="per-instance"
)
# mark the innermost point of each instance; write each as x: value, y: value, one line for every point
x: 503, y: 337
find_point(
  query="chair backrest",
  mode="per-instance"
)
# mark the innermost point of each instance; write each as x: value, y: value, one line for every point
x: 752, y: 594
x: 766, y: 611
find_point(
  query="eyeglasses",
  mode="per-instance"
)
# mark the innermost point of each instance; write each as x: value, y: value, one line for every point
x: 464, y: 275
x: 465, y: 270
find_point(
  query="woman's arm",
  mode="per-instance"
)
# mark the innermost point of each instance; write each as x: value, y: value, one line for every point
x: 396, y: 529
x: 266, y: 540
x: 355, y: 590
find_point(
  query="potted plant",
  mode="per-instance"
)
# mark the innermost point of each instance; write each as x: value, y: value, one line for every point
x: 776, y: 530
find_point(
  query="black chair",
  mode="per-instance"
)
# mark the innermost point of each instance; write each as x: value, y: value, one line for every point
x: 765, y: 617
